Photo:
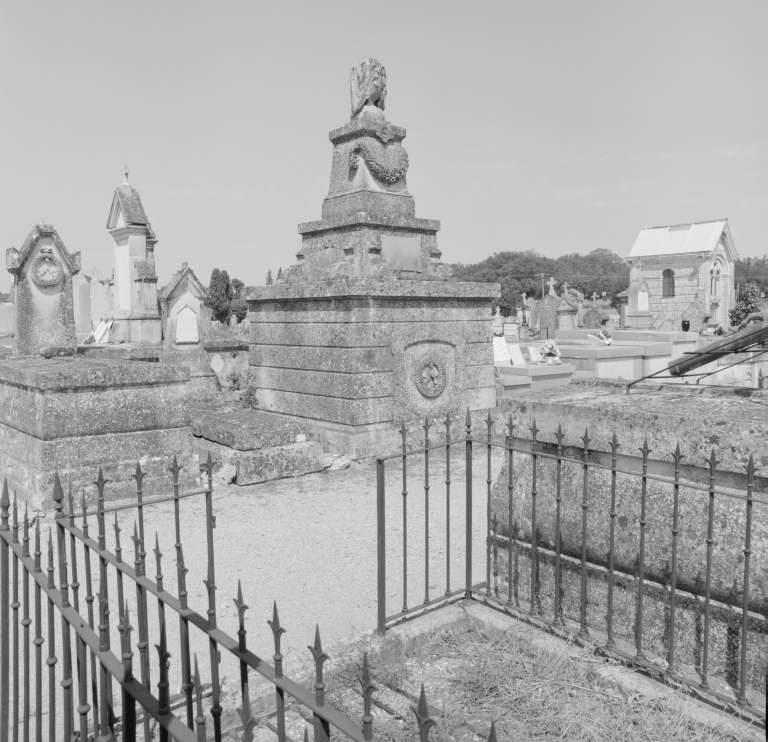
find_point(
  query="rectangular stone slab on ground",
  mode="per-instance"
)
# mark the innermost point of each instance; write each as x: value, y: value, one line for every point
x: 75, y: 415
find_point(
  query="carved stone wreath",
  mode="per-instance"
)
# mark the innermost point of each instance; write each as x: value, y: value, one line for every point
x: 46, y: 270
x: 388, y: 164
x: 430, y: 379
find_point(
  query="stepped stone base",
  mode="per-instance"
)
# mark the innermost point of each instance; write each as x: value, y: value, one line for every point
x: 76, y: 415
x: 260, y: 446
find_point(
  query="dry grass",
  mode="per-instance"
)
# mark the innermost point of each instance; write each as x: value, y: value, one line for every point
x: 474, y: 674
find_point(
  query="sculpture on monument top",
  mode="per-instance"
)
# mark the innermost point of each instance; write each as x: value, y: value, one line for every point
x: 367, y: 85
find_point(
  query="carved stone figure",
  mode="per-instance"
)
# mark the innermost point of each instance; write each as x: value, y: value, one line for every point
x: 367, y: 85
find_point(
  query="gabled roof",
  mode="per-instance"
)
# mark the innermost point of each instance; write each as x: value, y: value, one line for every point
x: 683, y: 239
x: 192, y: 280
x: 15, y: 259
x: 128, y: 209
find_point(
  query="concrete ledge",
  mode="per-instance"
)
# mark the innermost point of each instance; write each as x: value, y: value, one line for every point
x: 538, y: 370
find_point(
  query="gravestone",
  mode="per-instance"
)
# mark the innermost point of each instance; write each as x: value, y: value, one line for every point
x: 547, y: 311
x: 501, y: 355
x: 534, y: 353
x: 516, y: 354
x: 45, y: 315
x: 7, y: 318
x: 99, y: 291
x: 81, y: 298
x: 593, y: 318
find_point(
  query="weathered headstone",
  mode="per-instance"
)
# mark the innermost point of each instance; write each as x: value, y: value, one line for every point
x: 547, y: 311
x: 81, y: 299
x: 7, y: 318
x: 516, y: 354
x: 534, y: 353
x: 501, y: 352
x: 593, y: 318
x: 45, y: 315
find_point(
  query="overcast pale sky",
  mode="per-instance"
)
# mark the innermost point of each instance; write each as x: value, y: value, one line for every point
x: 554, y: 126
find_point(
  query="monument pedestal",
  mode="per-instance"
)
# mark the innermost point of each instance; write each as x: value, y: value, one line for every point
x: 357, y: 356
x: 75, y: 415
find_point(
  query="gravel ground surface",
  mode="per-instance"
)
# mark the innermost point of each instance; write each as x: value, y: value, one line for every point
x: 308, y: 543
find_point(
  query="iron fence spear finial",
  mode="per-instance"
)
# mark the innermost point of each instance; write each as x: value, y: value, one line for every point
x: 71, y: 503
x: 158, y: 557
x: 126, y: 640
x: 15, y: 518
x: 277, y: 632
x: 246, y: 716
x: 58, y: 496
x: 200, y: 717
x: 320, y: 658
x: 182, y: 575
x: 164, y: 657
x: 25, y: 539
x: 85, y: 513
x: 38, y: 552
x: 118, y: 547
x: 51, y: 584
x: 423, y: 719
x: 468, y: 423
x: 241, y: 609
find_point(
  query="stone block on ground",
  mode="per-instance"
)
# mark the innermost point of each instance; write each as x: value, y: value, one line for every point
x: 263, y: 464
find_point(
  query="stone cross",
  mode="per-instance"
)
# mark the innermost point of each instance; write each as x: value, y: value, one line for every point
x: 565, y: 287
x: 552, y: 283
x: 594, y: 296
x: 125, y: 173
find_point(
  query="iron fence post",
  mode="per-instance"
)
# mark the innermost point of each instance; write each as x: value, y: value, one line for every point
x: 611, y: 549
x: 488, y: 482
x: 468, y: 539
x: 671, y: 668
x: 403, y: 433
x: 448, y: 503
x: 712, y: 463
x: 426, y: 509
x: 742, y: 695
x: 534, y: 493
x: 557, y: 619
x: 5, y: 689
x: 639, y: 655
x: 380, y: 550
x: 510, y: 508
x: 584, y: 631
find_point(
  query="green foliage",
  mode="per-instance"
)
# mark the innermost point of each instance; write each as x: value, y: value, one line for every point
x: 279, y: 273
x: 750, y: 301
x: 249, y: 400
x: 518, y: 272
x: 219, y: 292
x: 269, y: 280
x: 752, y: 270
x: 238, y: 307
x: 236, y: 286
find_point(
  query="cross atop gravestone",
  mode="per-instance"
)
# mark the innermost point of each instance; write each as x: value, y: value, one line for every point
x: 594, y: 296
x: 125, y: 174
x: 552, y: 283
x: 565, y: 287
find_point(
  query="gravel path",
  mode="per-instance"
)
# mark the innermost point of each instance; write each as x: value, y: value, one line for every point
x: 310, y: 544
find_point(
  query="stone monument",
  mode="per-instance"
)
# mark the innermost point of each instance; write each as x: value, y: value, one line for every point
x: 638, y: 300
x: 42, y: 283
x: 187, y: 324
x: 369, y: 328
x: 134, y: 285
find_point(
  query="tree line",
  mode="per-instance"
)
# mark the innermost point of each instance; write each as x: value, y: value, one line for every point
x: 602, y: 272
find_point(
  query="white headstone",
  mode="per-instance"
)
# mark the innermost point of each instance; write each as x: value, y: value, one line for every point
x: 7, y: 318
x: 533, y: 352
x: 516, y: 353
x: 501, y: 352
x: 186, y: 326
x: 642, y: 301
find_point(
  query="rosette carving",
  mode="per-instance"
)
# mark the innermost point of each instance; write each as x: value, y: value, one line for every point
x: 387, y: 164
x: 430, y: 378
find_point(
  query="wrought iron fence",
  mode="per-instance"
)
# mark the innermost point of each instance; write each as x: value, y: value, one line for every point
x: 584, y: 463
x: 88, y: 672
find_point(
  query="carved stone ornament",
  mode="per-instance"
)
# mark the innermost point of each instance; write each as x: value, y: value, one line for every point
x: 46, y: 270
x: 387, y: 164
x: 430, y: 379
x: 367, y: 85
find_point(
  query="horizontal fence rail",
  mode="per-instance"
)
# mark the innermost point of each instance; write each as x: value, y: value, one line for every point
x: 573, y: 478
x: 90, y: 689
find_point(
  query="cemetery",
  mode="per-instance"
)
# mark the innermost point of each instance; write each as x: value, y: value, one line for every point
x: 366, y: 363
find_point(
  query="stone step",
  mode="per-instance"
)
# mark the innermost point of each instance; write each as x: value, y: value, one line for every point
x: 262, y: 464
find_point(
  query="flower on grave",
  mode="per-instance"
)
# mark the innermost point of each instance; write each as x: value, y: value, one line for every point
x: 603, y: 334
x: 550, y: 349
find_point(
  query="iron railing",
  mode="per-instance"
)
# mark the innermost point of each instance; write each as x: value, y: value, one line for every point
x: 89, y: 671
x: 584, y: 463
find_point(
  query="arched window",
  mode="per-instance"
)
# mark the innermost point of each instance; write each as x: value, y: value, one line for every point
x: 668, y: 283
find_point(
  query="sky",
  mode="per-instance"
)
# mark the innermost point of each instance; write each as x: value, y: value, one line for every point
x: 550, y: 126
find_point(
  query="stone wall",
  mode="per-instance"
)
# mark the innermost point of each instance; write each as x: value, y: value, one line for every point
x: 73, y: 416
